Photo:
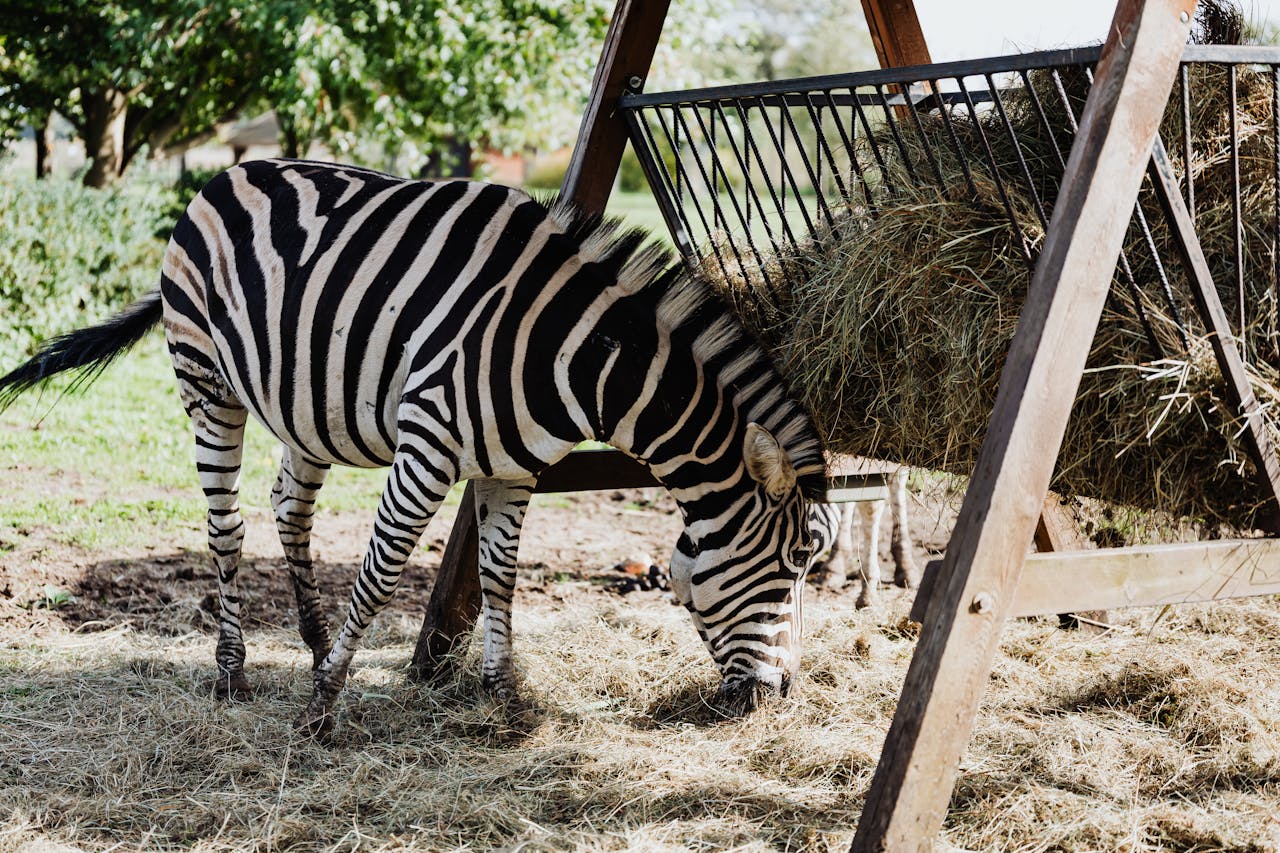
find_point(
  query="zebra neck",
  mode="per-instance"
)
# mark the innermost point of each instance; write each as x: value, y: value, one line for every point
x: 683, y: 415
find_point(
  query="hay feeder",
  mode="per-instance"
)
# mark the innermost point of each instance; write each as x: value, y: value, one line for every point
x: 750, y: 178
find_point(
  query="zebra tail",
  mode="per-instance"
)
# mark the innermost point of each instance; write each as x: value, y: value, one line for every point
x: 87, y: 351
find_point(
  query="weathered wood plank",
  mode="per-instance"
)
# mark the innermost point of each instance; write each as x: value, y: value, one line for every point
x: 963, y: 620
x: 1057, y: 531
x: 1147, y: 576
x: 1141, y: 576
x: 895, y: 33
x: 1226, y: 352
x: 628, y: 52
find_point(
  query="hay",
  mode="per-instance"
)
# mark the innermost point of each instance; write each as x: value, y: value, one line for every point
x: 895, y: 327
x: 1128, y: 742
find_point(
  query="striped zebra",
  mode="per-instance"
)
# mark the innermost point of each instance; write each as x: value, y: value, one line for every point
x: 463, y: 331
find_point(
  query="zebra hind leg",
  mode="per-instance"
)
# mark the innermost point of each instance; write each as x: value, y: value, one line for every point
x: 411, y: 497
x: 906, y: 573
x: 500, y: 509
x: 294, y: 499
x: 841, y: 556
x: 218, y: 419
x: 869, y: 556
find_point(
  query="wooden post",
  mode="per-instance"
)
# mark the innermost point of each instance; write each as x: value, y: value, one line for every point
x: 628, y: 52
x: 895, y: 32
x: 602, y: 138
x: 908, y: 798
x: 1057, y: 531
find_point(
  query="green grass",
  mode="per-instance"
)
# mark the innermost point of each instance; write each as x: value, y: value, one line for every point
x: 640, y: 210
x: 131, y: 424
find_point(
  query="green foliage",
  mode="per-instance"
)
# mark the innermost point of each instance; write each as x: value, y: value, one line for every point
x: 408, y: 76
x: 415, y: 75
x: 69, y: 255
x: 166, y: 72
x: 547, y: 174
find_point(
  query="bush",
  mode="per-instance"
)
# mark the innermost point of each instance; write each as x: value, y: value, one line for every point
x: 548, y: 172
x: 70, y: 256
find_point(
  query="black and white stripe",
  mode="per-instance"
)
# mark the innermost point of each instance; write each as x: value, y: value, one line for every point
x: 456, y: 330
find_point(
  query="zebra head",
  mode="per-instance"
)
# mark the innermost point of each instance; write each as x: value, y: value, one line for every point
x: 741, y: 577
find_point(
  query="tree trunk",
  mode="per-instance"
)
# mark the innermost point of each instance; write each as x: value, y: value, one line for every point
x: 104, y: 136
x: 290, y: 144
x: 44, y: 147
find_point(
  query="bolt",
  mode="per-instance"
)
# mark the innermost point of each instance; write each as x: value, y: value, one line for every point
x: 635, y: 82
x: 983, y: 602
x: 1184, y: 17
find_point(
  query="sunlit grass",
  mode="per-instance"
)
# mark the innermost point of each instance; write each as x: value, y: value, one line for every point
x: 113, y: 465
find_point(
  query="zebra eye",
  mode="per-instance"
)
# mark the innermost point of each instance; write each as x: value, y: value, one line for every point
x: 800, y: 557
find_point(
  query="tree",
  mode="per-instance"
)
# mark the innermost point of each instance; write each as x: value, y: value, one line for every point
x: 422, y: 76
x: 414, y: 76
x: 128, y: 76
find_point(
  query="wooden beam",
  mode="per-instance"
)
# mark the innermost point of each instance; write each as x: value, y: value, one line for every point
x: 1143, y: 576
x: 1057, y: 530
x: 895, y: 32
x: 1239, y: 391
x: 628, y: 53
x: 962, y: 623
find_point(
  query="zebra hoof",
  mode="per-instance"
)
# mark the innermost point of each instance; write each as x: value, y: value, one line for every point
x: 231, y: 687
x: 740, y: 698
x: 867, y: 599
x: 315, y: 723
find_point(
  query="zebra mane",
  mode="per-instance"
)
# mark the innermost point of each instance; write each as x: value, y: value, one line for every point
x: 686, y: 302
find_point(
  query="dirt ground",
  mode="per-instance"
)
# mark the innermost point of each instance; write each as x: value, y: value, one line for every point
x: 570, y: 541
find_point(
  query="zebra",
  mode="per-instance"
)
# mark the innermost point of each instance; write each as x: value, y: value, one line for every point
x: 457, y: 330
x: 835, y: 527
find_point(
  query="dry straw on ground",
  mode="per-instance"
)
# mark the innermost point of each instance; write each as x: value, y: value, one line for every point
x: 1142, y: 740
x: 895, y: 327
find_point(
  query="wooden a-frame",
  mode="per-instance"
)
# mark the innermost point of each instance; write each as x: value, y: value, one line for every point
x: 1007, y: 506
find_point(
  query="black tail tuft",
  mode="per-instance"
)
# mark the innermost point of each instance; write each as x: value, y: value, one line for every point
x: 88, y: 351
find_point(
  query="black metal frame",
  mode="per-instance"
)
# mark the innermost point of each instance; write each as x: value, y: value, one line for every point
x: 744, y: 174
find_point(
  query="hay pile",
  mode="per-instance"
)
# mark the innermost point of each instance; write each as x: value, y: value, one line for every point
x: 895, y: 327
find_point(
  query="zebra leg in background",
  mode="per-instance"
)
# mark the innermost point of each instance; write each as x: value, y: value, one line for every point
x: 869, y: 556
x: 414, y: 491
x: 841, y: 556
x: 906, y: 573
x: 218, y: 419
x: 500, y: 509
x: 294, y: 499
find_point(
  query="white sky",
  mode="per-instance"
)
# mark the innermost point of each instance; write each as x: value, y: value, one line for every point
x: 956, y: 29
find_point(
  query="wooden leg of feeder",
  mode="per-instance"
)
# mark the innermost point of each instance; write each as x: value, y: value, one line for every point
x: 963, y: 621
x: 895, y: 33
x: 1057, y: 531
x: 1239, y: 392
x: 628, y: 52
x: 455, y: 597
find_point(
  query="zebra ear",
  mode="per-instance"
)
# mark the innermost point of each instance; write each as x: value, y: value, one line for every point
x: 767, y: 462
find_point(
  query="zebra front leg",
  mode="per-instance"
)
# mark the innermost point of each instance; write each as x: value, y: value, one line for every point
x: 218, y: 420
x: 411, y: 497
x: 500, y: 509
x: 906, y: 573
x: 294, y: 499
x: 869, y: 556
